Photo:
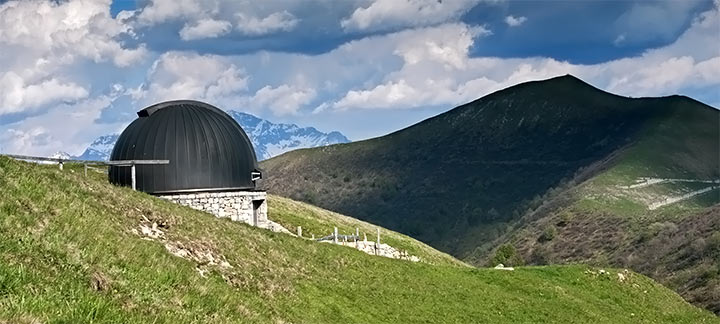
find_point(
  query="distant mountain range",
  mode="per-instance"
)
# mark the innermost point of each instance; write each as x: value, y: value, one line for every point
x: 544, y: 172
x: 269, y: 139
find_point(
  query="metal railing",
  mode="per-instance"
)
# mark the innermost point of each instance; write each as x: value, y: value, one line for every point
x: 119, y: 163
x: 335, y: 237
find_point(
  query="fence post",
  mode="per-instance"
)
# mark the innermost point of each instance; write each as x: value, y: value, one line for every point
x: 85, y: 167
x: 132, y: 176
x: 299, y: 231
x: 377, y: 243
x: 335, y: 238
x: 357, y: 233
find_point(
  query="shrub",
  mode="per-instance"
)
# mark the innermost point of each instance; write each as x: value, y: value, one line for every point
x: 699, y: 247
x: 713, y: 244
x: 309, y: 196
x: 541, y: 255
x: 656, y: 229
x: 548, y: 234
x: 507, y: 255
x: 565, y: 218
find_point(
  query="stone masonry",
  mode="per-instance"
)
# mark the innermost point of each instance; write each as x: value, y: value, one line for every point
x: 241, y: 206
x: 381, y: 249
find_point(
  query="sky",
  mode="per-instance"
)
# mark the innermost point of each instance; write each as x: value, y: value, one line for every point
x: 73, y: 70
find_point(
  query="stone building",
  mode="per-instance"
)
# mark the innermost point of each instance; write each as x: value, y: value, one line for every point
x: 212, y: 164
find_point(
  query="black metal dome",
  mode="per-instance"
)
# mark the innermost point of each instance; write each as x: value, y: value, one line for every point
x: 207, y: 149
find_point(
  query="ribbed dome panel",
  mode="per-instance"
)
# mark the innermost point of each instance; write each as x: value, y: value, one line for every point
x: 207, y: 149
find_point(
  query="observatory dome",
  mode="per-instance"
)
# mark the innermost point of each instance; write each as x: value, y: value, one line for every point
x: 207, y: 150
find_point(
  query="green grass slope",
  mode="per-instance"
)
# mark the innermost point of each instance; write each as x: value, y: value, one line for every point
x: 683, y: 254
x: 72, y: 251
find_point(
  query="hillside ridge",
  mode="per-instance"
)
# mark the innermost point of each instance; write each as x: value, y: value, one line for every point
x: 464, y: 178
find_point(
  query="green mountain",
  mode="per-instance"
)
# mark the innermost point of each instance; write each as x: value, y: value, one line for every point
x: 74, y: 249
x: 506, y: 169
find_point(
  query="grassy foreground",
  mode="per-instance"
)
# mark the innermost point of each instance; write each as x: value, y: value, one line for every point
x: 71, y: 251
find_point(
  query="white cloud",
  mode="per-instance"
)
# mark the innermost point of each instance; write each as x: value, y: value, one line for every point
x: 43, y: 41
x: 663, y: 77
x: 22, y: 141
x: 209, y: 19
x: 159, y: 11
x: 653, y: 20
x: 392, y: 94
x: 434, y: 61
x: 16, y: 96
x: 80, y: 28
x: 282, y: 100
x: 44, y: 134
x: 448, y: 45
x: 388, y: 14
x: 205, y: 28
x: 178, y: 75
x: 218, y: 80
x: 278, y: 21
x: 515, y: 21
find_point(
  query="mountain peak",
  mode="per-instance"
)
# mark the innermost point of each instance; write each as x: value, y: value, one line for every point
x: 568, y: 76
x: 61, y: 155
x: 567, y: 82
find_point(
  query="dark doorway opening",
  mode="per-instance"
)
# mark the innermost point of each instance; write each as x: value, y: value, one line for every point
x: 256, y: 204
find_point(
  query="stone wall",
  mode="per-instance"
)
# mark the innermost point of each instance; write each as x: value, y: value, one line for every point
x: 242, y: 206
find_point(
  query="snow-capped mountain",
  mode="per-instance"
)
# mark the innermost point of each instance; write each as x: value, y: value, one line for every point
x: 56, y: 155
x: 274, y: 139
x: 61, y: 155
x: 100, y: 149
x: 268, y: 139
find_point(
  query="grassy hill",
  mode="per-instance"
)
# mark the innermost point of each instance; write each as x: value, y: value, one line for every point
x: 498, y: 170
x: 74, y: 249
x: 600, y: 221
